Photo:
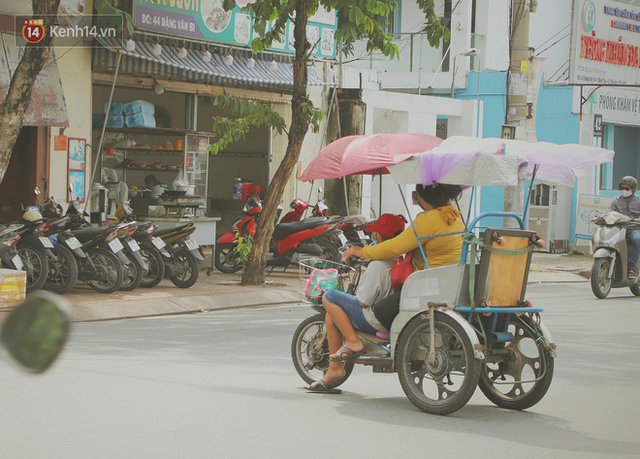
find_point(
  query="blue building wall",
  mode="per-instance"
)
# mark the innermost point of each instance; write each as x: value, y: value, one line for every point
x: 554, y: 123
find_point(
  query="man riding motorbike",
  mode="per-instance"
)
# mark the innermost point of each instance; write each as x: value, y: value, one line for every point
x: 628, y: 203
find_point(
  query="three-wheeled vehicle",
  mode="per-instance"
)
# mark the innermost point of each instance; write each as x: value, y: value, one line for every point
x: 465, y: 325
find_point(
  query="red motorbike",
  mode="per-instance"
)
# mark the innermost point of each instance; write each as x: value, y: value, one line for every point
x: 349, y: 229
x: 288, y: 241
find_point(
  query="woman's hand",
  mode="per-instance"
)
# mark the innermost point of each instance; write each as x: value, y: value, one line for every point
x: 352, y: 252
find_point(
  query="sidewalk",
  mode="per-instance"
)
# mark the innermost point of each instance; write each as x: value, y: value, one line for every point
x: 223, y: 291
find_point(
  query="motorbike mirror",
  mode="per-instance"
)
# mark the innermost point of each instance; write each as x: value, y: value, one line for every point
x: 320, y: 190
x: 37, y: 191
x: 35, y: 333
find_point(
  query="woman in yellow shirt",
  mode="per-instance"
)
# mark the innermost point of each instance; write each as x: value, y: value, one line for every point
x: 439, y: 218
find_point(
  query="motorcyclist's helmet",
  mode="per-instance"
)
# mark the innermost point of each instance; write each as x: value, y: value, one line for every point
x: 629, y: 181
x: 32, y: 214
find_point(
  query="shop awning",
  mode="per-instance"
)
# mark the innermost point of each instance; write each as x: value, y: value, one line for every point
x: 47, y: 106
x: 142, y: 61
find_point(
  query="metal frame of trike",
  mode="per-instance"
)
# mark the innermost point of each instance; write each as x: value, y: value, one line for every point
x: 446, y: 290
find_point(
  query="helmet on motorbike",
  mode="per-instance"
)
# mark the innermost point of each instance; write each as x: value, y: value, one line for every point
x: 630, y: 181
x: 32, y: 214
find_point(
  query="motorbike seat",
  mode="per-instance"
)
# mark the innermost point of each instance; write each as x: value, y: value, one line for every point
x: 91, y: 232
x: 171, y: 229
x: 283, y: 230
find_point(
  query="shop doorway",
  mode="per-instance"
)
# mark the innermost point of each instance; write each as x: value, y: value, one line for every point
x: 626, y: 144
x: 27, y: 170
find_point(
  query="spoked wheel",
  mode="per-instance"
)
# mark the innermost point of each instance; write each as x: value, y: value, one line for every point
x: 447, y: 383
x: 227, y: 259
x: 63, y: 271
x: 132, y: 275
x: 600, y: 282
x: 187, y: 273
x: 107, y: 277
x: 521, y: 377
x: 154, y: 261
x: 310, y: 351
x: 35, y: 264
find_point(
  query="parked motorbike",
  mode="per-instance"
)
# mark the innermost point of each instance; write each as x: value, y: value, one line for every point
x: 610, y: 255
x: 9, y: 236
x: 288, y: 241
x: 101, y: 268
x: 352, y: 227
x: 34, y: 248
x: 63, y: 270
x: 152, y: 248
x: 182, y: 268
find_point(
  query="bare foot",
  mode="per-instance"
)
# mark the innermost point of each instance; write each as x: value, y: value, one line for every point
x: 334, y: 373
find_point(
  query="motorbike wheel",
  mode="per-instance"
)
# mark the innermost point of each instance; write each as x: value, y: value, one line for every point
x: 132, y: 275
x: 109, y: 271
x: 329, y: 250
x: 635, y: 289
x: 310, y: 351
x: 63, y: 271
x: 188, y: 271
x: 519, y: 379
x: 154, y: 260
x: 36, y: 265
x: 225, y: 258
x: 600, y: 285
x: 446, y: 385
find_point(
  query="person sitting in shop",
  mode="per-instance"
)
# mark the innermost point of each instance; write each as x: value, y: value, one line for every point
x: 156, y: 186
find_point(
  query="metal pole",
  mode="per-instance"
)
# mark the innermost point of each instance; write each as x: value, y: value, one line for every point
x: 104, y: 128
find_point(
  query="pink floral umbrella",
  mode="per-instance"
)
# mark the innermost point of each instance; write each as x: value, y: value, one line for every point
x: 361, y: 154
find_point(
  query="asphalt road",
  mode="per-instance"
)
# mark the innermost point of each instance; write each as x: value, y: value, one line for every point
x: 221, y: 385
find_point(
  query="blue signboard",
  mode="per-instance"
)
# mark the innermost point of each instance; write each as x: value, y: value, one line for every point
x: 207, y: 20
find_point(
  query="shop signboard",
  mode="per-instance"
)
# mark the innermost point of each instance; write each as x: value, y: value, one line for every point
x: 47, y: 106
x: 589, y: 207
x: 605, y: 40
x: 207, y: 20
x: 615, y: 105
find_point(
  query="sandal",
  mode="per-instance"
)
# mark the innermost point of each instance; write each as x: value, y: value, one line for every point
x: 322, y: 387
x: 632, y: 274
x: 344, y: 353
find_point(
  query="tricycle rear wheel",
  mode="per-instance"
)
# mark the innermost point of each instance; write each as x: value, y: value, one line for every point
x: 310, y: 351
x: 447, y: 384
x: 522, y: 376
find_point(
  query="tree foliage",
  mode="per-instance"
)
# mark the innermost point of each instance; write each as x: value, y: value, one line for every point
x: 357, y: 20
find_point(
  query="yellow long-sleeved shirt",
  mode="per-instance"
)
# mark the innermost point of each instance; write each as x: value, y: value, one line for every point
x: 440, y: 251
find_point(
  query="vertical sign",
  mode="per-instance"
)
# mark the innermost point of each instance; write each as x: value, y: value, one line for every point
x: 597, y: 125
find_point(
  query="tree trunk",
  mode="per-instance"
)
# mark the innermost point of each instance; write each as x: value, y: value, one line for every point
x: 17, y: 102
x: 254, y: 272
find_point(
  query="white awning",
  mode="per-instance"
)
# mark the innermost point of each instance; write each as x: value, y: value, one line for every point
x: 193, y: 67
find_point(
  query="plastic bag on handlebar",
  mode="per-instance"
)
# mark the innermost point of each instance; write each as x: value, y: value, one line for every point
x: 320, y: 280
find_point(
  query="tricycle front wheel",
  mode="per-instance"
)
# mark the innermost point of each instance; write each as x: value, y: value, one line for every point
x: 310, y: 351
x: 446, y: 383
x: 521, y: 376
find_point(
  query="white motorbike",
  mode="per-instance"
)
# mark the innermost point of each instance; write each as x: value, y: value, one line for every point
x: 610, y: 255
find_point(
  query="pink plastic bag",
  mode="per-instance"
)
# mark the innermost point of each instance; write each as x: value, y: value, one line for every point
x: 319, y: 281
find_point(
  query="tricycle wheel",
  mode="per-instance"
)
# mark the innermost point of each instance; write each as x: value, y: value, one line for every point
x: 445, y: 385
x: 600, y: 283
x: 521, y: 377
x: 310, y: 351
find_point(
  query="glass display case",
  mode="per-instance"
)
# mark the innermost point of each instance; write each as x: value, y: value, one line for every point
x: 196, y: 162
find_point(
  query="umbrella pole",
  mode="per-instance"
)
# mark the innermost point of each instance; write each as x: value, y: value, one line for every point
x: 380, y: 196
x: 346, y: 199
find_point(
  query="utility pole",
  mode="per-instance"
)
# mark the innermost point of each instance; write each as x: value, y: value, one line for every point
x: 517, y: 108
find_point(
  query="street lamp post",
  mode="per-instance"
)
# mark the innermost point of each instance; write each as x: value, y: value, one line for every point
x: 469, y: 52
